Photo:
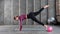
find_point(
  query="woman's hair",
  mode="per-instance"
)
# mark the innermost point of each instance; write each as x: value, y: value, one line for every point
x: 15, y: 17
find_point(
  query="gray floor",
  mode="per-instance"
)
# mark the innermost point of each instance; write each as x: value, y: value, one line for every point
x: 27, y: 29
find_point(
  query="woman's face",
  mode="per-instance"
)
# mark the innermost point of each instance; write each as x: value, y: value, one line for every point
x: 17, y: 18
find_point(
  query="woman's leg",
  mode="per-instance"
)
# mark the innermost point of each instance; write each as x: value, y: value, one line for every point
x: 38, y: 12
x: 34, y: 19
x: 32, y: 16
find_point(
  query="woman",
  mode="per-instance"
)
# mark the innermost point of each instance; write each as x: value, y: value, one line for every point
x: 32, y: 16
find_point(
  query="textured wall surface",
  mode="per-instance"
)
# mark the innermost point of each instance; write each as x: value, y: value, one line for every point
x: 15, y: 10
x: 58, y: 9
x: 1, y: 12
x: 7, y: 11
x: 10, y: 8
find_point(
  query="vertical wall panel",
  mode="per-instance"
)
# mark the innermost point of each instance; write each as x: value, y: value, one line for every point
x: 58, y: 10
x: 44, y: 12
x: 51, y: 8
x: 37, y: 6
x: 23, y: 8
x: 15, y: 10
x: 7, y: 12
x: 1, y: 12
x: 30, y: 9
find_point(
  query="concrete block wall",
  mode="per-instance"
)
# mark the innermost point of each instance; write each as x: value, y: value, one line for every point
x: 10, y: 8
x: 8, y: 12
x: 58, y: 10
x: 1, y: 12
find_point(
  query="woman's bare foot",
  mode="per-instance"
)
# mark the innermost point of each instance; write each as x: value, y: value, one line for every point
x: 46, y: 6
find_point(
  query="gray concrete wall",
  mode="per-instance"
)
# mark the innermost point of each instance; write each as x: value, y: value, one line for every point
x: 1, y: 12
x: 10, y: 8
x: 58, y: 10
x: 8, y: 12
x: 30, y: 9
x: 15, y: 10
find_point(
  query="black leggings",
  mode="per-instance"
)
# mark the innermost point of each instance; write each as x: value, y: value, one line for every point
x: 32, y: 15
